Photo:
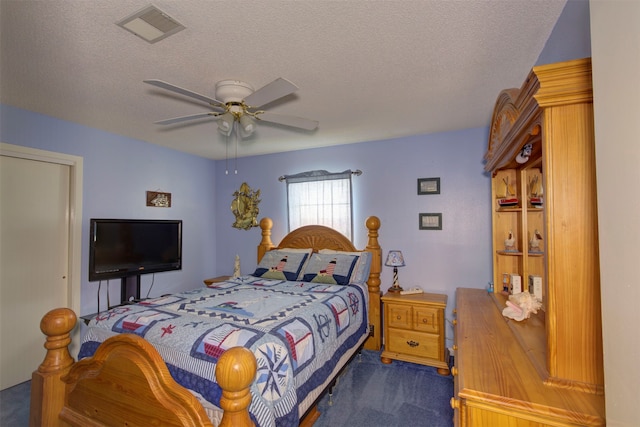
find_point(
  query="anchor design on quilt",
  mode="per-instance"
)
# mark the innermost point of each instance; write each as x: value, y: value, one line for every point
x: 324, y: 325
x: 353, y: 303
x: 193, y: 324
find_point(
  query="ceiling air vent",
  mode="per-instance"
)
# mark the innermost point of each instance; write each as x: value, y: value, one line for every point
x: 151, y: 24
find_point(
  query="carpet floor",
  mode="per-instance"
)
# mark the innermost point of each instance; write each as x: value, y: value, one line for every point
x: 368, y: 394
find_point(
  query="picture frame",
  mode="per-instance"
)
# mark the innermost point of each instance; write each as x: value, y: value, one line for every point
x: 158, y: 199
x: 428, y: 186
x: 430, y: 221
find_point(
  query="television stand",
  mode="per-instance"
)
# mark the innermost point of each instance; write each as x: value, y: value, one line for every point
x: 130, y: 289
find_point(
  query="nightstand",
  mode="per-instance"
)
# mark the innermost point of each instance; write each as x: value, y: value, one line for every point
x: 414, y: 329
x: 218, y: 279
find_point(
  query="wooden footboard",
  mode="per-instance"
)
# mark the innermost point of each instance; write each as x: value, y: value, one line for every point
x: 127, y: 383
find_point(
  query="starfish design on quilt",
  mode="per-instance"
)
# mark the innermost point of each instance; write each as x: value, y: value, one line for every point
x: 167, y: 330
x: 273, y: 373
x: 324, y: 325
x: 353, y: 303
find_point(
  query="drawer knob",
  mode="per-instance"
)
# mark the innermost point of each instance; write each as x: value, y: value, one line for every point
x: 425, y: 320
x: 454, y: 322
x: 413, y: 343
x: 398, y: 317
x: 455, y: 403
x: 455, y: 347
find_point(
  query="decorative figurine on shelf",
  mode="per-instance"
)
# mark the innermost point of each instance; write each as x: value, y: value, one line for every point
x: 245, y: 207
x: 506, y: 194
x: 534, y: 243
x: 520, y: 306
x: 236, y: 267
x: 505, y: 284
x: 535, y: 192
x: 510, y: 242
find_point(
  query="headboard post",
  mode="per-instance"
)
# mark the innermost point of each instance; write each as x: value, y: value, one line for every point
x: 374, y: 342
x: 47, y: 388
x: 265, y: 244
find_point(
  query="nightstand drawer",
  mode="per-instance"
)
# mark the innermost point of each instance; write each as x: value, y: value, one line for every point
x: 426, y: 319
x: 413, y: 343
x: 400, y: 316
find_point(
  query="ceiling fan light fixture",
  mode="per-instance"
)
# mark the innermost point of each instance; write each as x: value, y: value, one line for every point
x: 225, y: 123
x: 247, y: 124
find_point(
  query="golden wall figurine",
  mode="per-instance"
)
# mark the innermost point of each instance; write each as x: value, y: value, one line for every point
x: 245, y: 207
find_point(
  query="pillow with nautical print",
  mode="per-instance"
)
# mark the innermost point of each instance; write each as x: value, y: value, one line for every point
x: 280, y: 264
x: 331, y: 269
x: 360, y: 273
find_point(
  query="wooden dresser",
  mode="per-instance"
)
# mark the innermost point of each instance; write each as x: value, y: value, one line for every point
x: 495, y: 384
x: 546, y: 370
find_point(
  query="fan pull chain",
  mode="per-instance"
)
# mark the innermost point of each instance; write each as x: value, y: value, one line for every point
x: 226, y: 157
x: 237, y: 131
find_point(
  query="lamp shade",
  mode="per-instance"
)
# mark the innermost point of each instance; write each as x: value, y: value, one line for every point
x: 394, y: 259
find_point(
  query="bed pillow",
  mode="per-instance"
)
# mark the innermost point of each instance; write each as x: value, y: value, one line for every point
x: 282, y: 264
x: 332, y: 269
x: 361, y: 271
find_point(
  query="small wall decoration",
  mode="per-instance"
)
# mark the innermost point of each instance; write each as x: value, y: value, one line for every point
x: 430, y: 221
x: 157, y: 199
x: 428, y: 186
x: 245, y: 207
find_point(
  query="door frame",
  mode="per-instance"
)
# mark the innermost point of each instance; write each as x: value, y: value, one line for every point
x: 75, y: 164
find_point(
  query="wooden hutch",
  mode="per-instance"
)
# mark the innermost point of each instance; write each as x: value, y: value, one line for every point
x: 546, y: 370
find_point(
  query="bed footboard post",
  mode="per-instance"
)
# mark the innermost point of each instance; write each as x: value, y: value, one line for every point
x: 265, y: 244
x: 47, y: 388
x: 235, y: 371
x: 373, y: 282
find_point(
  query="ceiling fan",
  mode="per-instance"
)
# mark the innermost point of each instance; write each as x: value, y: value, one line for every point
x: 237, y: 102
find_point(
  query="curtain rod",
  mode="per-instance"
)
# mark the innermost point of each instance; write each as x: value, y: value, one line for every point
x: 356, y: 172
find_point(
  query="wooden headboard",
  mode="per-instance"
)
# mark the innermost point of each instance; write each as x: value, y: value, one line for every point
x: 320, y: 237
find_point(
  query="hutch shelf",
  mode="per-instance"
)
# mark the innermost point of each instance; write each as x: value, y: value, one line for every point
x: 541, y: 158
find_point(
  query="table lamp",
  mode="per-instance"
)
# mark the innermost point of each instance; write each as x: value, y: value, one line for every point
x: 395, y: 260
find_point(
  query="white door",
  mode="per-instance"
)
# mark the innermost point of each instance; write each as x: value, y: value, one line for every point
x: 34, y: 258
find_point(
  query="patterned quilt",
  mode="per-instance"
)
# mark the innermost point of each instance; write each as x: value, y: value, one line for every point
x: 298, y: 332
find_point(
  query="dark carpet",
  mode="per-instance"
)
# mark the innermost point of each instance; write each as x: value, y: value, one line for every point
x: 368, y: 393
x: 372, y: 394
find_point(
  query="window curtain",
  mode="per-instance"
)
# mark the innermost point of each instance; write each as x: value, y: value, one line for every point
x: 320, y: 197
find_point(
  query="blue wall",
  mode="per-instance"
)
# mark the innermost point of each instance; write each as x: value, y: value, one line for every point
x: 117, y: 173
x: 437, y: 261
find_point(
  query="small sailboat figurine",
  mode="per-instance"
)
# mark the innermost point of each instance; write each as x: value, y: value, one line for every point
x: 535, y: 191
x: 506, y: 194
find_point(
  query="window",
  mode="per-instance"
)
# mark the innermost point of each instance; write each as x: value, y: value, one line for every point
x: 320, y: 197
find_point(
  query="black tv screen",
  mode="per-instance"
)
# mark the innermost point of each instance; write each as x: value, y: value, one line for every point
x: 127, y: 247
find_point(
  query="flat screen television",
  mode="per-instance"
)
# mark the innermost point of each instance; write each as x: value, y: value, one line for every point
x: 127, y: 247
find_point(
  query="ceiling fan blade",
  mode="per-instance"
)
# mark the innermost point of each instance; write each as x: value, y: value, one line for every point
x: 185, y: 92
x: 275, y: 90
x: 185, y: 118
x: 293, y: 121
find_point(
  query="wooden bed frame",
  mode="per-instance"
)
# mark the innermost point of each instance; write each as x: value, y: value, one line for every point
x: 127, y: 383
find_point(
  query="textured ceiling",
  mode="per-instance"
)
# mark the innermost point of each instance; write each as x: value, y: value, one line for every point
x: 367, y: 70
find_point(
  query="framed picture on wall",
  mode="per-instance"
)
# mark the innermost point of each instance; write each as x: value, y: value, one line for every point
x: 430, y: 221
x: 428, y: 186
